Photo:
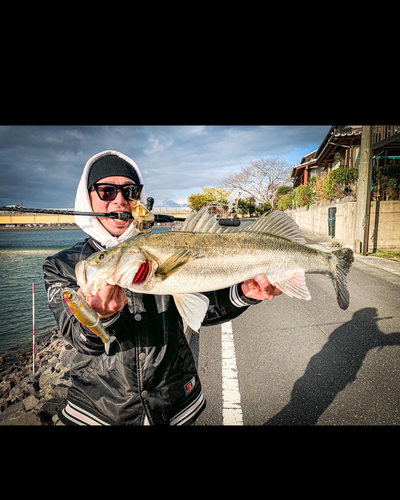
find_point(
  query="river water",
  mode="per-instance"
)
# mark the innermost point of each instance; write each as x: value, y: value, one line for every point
x: 22, y: 255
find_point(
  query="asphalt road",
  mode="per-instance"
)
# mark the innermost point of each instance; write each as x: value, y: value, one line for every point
x: 310, y: 363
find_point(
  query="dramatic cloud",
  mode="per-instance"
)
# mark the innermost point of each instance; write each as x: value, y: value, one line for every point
x: 40, y: 166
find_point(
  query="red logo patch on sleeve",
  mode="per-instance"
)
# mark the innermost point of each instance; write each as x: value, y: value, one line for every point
x: 190, y: 386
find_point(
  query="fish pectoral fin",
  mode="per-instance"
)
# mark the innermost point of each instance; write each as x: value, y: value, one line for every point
x: 294, y: 286
x: 192, y: 307
x: 173, y: 264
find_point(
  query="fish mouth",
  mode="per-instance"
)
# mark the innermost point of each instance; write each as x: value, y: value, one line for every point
x: 90, y: 274
x: 80, y: 273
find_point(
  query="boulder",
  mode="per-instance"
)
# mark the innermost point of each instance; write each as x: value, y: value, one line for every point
x: 12, y: 414
x: 47, y: 377
x: 30, y: 402
x: 29, y: 419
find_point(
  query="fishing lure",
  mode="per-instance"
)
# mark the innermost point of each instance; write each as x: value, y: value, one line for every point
x: 87, y: 316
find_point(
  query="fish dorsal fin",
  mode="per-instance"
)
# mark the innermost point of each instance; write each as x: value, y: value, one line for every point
x: 189, y: 222
x: 201, y: 222
x: 279, y: 224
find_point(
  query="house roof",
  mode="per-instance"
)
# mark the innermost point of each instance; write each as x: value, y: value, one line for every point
x: 337, y: 135
x: 299, y: 169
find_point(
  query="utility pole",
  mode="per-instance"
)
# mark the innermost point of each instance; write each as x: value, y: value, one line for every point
x: 361, y: 229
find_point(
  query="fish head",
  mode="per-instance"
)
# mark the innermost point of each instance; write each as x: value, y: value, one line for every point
x: 116, y: 266
x: 70, y: 296
x: 74, y: 301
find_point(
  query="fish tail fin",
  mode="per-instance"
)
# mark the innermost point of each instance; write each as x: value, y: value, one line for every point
x: 341, y: 267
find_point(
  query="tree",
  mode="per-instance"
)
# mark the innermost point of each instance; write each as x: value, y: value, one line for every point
x: 261, y: 179
x: 246, y: 206
x: 214, y: 195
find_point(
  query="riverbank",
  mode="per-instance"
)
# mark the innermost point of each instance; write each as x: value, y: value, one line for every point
x: 28, y: 398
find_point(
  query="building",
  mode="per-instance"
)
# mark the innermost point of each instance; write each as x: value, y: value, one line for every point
x: 372, y: 220
x: 341, y: 146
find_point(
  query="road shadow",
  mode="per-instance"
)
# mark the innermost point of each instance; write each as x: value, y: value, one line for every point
x: 335, y: 366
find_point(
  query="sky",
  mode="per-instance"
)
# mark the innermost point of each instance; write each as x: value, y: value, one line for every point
x: 40, y: 166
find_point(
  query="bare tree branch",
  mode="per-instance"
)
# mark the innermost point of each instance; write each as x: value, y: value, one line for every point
x: 261, y: 179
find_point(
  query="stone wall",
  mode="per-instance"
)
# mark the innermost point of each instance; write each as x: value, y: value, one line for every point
x: 384, y: 230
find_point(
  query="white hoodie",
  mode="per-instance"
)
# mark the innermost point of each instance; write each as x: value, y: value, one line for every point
x: 91, y: 225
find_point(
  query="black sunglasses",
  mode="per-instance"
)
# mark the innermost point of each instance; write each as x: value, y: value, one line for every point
x: 108, y: 192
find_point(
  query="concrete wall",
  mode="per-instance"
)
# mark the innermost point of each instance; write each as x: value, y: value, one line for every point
x: 384, y: 230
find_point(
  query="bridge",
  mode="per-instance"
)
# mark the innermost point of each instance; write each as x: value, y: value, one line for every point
x: 12, y: 219
x: 181, y: 212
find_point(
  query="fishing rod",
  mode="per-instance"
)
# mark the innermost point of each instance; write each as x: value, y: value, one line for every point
x: 112, y: 215
x: 21, y: 210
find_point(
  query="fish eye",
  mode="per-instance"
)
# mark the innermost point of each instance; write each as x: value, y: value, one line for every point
x: 101, y: 257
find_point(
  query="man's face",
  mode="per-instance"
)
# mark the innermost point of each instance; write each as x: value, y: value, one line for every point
x: 114, y: 226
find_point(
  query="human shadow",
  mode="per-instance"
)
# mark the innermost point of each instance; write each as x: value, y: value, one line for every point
x: 335, y: 366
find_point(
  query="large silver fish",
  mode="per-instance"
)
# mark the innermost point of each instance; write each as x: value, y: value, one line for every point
x: 203, y: 257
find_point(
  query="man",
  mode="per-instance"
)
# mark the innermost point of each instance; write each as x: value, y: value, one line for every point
x: 149, y: 376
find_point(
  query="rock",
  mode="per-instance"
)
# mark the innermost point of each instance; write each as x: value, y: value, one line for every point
x: 5, y: 388
x: 11, y: 369
x: 16, y: 394
x: 29, y: 419
x: 12, y: 413
x: 52, y: 361
x: 46, y: 377
x: 66, y: 356
x: 32, y: 387
x: 34, y: 399
x: 57, y: 344
x: 3, y: 404
x: 30, y: 402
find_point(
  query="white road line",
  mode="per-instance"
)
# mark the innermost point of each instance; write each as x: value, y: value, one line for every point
x: 231, y: 407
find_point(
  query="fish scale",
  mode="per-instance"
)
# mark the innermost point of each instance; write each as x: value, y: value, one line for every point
x: 226, y: 259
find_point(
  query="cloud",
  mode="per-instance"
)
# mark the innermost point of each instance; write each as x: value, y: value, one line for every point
x: 40, y: 166
x: 156, y: 145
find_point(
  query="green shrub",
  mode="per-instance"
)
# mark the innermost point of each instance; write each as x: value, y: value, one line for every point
x: 342, y: 177
x: 286, y: 201
x: 305, y: 195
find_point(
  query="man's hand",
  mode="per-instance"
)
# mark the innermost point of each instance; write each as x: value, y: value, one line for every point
x: 260, y: 288
x: 107, y: 301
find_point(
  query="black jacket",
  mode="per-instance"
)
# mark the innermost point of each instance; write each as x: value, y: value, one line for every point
x: 150, y: 375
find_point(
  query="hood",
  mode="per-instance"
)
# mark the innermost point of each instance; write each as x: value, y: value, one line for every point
x: 91, y: 225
